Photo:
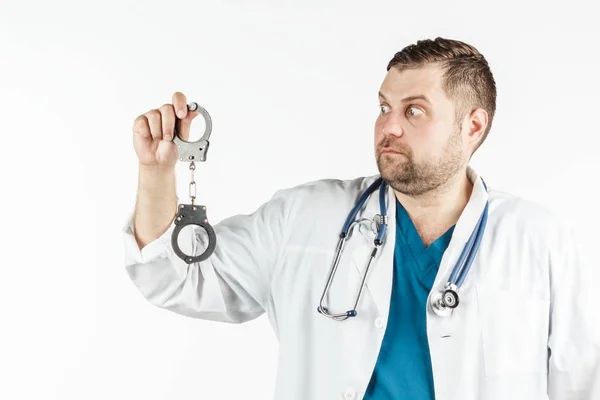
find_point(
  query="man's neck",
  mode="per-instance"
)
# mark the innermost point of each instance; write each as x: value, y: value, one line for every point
x: 433, y: 213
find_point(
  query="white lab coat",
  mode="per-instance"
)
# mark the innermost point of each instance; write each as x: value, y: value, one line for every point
x: 524, y: 298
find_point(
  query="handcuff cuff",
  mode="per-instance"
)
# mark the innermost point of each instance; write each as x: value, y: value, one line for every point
x: 192, y: 214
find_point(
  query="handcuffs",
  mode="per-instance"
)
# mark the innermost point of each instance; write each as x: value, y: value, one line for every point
x: 192, y: 214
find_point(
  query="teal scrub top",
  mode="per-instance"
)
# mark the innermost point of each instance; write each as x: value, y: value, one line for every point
x: 403, y: 368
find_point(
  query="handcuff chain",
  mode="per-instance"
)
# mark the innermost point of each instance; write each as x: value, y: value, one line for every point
x: 192, y: 183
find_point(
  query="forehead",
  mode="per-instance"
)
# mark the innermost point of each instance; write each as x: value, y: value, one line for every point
x: 426, y: 81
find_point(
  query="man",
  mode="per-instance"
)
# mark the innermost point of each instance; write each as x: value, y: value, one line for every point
x: 522, y: 328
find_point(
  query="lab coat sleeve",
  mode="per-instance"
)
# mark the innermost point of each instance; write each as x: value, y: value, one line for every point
x: 574, y: 338
x: 233, y: 285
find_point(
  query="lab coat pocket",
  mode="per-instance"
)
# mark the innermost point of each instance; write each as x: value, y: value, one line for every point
x: 514, y: 331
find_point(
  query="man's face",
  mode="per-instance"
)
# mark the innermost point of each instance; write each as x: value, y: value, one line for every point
x: 418, y: 143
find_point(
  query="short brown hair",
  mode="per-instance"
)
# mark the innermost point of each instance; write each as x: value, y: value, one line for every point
x: 467, y: 79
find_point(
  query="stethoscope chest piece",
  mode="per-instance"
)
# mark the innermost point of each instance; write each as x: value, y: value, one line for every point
x: 444, y: 301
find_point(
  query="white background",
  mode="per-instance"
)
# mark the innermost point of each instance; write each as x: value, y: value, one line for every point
x: 292, y: 91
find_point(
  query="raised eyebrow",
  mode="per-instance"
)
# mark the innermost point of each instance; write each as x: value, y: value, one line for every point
x: 417, y: 97
x: 409, y: 98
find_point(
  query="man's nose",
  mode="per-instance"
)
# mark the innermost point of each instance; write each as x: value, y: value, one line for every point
x: 392, y: 125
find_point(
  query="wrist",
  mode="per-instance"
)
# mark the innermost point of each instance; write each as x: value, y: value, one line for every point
x: 157, y: 169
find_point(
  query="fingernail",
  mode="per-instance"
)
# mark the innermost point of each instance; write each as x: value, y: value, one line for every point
x: 181, y: 114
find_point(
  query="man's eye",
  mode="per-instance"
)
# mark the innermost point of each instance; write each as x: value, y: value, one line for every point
x: 413, y: 108
x: 383, y: 109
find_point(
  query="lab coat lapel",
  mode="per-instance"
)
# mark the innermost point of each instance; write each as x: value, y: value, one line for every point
x: 447, y: 335
x: 379, y: 280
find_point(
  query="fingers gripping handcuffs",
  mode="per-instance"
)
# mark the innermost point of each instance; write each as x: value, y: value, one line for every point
x: 192, y: 214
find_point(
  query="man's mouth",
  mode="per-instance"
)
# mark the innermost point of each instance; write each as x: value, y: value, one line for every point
x: 389, y: 150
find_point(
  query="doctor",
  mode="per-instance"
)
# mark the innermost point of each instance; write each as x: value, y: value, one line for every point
x: 517, y: 324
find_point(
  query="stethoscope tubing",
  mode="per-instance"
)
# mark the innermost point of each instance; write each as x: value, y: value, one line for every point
x: 457, y: 276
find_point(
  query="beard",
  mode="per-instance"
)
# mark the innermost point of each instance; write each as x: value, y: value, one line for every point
x: 404, y: 175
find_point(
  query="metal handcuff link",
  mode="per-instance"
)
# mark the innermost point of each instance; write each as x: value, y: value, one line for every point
x: 192, y: 214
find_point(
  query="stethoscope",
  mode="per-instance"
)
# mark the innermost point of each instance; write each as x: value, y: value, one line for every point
x: 443, y: 301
